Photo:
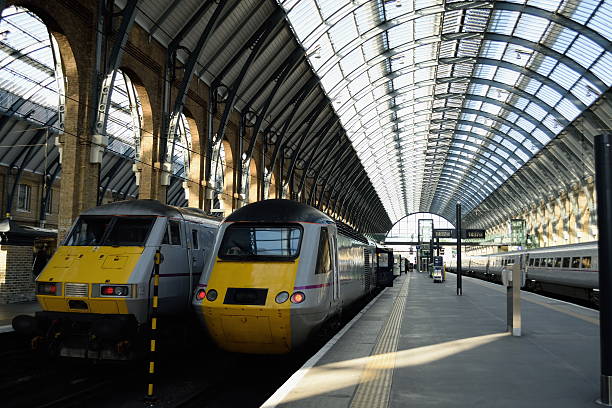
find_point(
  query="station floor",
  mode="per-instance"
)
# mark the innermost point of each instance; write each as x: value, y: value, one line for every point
x: 10, y: 310
x: 420, y: 345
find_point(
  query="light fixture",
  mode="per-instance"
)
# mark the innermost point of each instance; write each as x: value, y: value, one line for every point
x: 315, y: 53
x: 520, y: 53
x: 590, y: 91
x: 4, y: 34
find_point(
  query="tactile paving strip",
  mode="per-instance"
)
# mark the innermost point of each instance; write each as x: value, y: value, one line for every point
x: 375, y: 382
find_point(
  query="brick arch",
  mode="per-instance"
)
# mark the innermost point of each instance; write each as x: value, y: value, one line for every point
x: 195, y: 173
x: 272, y: 191
x: 227, y: 196
x: 146, y: 151
x: 253, y: 181
x: 78, y: 179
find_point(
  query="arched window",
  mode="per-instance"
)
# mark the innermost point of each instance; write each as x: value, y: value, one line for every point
x: 180, y: 153
x: 218, y: 171
x: 407, y: 229
x: 124, y: 118
x: 31, y: 78
x: 124, y: 131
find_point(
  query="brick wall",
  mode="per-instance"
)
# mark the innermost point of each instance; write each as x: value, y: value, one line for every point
x: 16, y: 279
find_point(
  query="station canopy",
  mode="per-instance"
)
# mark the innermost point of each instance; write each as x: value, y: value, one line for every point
x: 444, y: 100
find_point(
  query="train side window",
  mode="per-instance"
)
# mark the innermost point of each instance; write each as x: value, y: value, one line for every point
x: 537, y: 262
x: 194, y: 238
x: 586, y: 262
x: 175, y: 233
x: 550, y: 262
x: 324, y: 254
x: 576, y: 262
x: 566, y: 262
x: 557, y: 262
x: 531, y: 261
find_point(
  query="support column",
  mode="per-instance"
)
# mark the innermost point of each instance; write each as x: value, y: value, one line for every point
x: 458, y: 216
x: 603, y: 161
x: 79, y: 177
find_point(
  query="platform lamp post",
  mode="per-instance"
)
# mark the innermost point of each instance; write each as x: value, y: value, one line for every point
x: 603, y: 185
x: 458, y: 216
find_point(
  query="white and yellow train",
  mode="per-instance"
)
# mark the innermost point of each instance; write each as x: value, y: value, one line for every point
x: 282, y: 270
x: 96, y: 291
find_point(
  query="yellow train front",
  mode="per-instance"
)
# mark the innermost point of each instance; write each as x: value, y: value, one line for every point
x: 96, y: 291
x: 281, y: 271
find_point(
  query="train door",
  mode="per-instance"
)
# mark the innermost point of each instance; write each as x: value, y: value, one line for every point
x: 336, y: 272
x: 196, y: 234
x: 174, y: 270
x: 367, y: 270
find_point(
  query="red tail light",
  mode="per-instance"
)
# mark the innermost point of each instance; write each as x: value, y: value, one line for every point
x: 46, y: 288
x: 201, y: 294
x: 114, y: 290
x: 297, y: 297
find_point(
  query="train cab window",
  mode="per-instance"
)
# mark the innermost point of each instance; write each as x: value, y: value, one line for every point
x: 537, y: 262
x: 194, y: 239
x: 129, y: 231
x: 324, y: 261
x: 557, y: 262
x: 586, y: 262
x: 89, y: 231
x: 531, y: 262
x: 576, y: 262
x: 566, y: 262
x: 172, y: 236
x: 274, y: 243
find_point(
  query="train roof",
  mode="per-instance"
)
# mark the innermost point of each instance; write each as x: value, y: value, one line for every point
x: 148, y: 207
x: 556, y: 248
x: 278, y: 211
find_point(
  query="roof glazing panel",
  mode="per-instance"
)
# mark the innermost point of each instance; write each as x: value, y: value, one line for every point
x: 546, y: 64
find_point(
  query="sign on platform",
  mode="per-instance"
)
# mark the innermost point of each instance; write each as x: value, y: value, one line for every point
x: 474, y: 233
x: 444, y: 233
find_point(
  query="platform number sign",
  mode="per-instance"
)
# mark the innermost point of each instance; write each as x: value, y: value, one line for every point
x: 444, y: 233
x: 474, y: 233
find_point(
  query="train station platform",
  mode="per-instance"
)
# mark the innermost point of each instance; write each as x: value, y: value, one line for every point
x: 420, y: 345
x: 10, y: 310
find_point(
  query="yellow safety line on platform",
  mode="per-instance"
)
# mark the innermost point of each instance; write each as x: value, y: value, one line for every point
x: 375, y: 383
x: 538, y: 302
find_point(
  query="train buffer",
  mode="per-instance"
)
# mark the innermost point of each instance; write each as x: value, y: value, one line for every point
x: 420, y: 345
x: 10, y: 310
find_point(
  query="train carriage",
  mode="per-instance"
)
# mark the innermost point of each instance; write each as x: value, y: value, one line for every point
x: 95, y: 292
x: 282, y: 270
x: 568, y: 270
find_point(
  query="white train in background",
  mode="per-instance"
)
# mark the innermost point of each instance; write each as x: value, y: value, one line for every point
x: 568, y: 270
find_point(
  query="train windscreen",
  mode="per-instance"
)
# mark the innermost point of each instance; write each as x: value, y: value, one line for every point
x: 110, y: 231
x: 249, y: 242
x: 129, y: 231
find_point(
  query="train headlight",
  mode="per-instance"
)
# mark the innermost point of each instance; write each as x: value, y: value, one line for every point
x: 282, y: 297
x: 211, y: 296
x: 200, y: 294
x: 297, y: 297
x: 108, y: 290
x: 47, y: 288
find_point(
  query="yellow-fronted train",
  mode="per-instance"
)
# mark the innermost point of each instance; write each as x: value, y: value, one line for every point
x: 282, y: 270
x: 96, y: 291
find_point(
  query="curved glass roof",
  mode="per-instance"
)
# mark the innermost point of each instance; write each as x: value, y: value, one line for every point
x: 444, y: 100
